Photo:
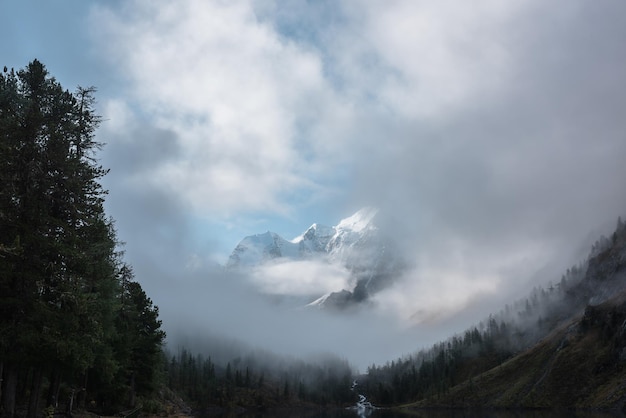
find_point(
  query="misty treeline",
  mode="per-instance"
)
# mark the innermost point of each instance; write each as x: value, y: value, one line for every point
x: 76, y: 329
x: 259, y: 380
x: 430, y: 373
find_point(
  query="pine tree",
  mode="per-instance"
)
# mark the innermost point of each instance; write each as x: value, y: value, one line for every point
x: 58, y: 264
x: 140, y: 337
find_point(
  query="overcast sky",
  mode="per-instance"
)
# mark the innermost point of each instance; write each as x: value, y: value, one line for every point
x: 491, y: 134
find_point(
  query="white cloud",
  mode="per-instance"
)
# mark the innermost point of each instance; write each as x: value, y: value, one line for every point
x: 239, y: 98
x: 492, y: 130
x: 424, y: 59
x: 117, y: 116
x: 302, y: 278
x: 261, y: 116
x: 450, y: 274
x: 428, y: 294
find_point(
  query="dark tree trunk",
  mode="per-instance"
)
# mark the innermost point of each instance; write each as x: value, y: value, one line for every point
x: 81, y: 395
x: 23, y: 381
x: 1, y: 374
x: 9, y: 390
x: 53, y: 390
x: 70, y: 404
x: 35, y: 394
x: 131, y: 391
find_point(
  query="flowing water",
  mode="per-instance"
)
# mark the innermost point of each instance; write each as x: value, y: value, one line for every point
x: 364, y: 409
x: 386, y: 413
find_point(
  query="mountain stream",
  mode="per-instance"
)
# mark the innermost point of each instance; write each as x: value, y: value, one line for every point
x: 363, y: 407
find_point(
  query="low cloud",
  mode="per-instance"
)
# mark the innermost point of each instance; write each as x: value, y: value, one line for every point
x: 300, y: 278
x: 222, y: 307
x: 425, y: 295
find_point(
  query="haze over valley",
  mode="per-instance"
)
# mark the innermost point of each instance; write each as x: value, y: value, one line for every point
x: 331, y: 182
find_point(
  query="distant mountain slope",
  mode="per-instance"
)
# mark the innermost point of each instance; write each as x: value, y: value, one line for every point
x: 355, y: 242
x: 581, y: 364
x: 256, y: 249
x: 562, y: 347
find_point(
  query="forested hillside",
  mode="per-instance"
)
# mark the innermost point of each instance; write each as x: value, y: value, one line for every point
x: 562, y: 347
x: 76, y: 329
x: 579, y: 365
x: 260, y: 380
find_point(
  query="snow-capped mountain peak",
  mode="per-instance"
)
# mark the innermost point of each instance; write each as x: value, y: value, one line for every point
x: 315, y: 231
x: 355, y: 244
x: 256, y: 249
x: 316, y: 240
x: 359, y: 221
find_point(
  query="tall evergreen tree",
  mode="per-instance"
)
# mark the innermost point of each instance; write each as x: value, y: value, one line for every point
x: 140, y: 329
x: 57, y: 261
x: 59, y: 285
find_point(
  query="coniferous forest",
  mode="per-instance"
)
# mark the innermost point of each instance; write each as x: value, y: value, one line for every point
x: 76, y: 329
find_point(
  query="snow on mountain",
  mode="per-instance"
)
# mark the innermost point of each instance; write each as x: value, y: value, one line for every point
x: 355, y: 243
x: 257, y: 249
x: 334, y: 300
x: 318, y: 240
x: 315, y: 239
x: 359, y: 221
x: 356, y: 239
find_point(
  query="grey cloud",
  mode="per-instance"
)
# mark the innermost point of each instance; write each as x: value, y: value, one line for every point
x: 507, y: 184
x: 151, y: 220
x: 545, y: 145
x: 223, y: 307
x: 517, y: 180
x: 140, y: 148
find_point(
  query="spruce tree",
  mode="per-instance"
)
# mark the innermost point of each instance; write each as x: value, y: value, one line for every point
x: 141, y: 337
x: 59, y: 285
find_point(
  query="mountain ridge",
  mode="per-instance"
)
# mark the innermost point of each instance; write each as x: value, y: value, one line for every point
x: 355, y: 243
x: 317, y: 239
